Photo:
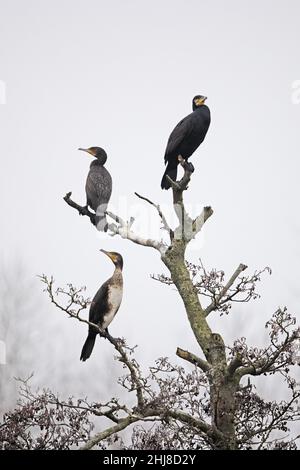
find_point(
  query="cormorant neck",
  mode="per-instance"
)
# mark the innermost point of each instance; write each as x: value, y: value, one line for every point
x: 102, y: 159
x: 118, y: 267
x: 96, y: 163
x: 195, y: 108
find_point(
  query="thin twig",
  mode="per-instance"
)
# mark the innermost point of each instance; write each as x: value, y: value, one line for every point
x: 160, y: 213
x: 225, y: 289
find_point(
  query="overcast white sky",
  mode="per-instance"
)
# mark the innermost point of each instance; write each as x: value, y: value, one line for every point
x: 120, y: 74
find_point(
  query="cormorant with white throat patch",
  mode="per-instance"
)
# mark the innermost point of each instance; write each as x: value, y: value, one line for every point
x: 105, y: 304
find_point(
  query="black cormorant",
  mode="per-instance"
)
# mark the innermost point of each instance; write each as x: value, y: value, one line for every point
x: 186, y: 138
x: 98, y: 186
x: 105, y: 304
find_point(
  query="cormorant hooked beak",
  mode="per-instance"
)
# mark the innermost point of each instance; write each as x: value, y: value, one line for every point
x: 115, y: 257
x: 110, y: 255
x: 200, y: 101
x: 88, y: 151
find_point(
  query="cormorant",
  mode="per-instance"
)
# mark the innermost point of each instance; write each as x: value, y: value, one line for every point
x: 105, y: 304
x: 98, y: 186
x: 186, y: 138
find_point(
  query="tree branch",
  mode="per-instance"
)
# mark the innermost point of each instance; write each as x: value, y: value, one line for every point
x: 124, y: 423
x: 225, y: 289
x: 207, y: 429
x: 185, y: 222
x: 161, y: 215
x: 188, y: 228
x: 201, y: 219
x: 124, y: 230
x: 193, y: 359
x: 184, y: 418
x: 83, y: 210
x: 270, y: 365
x: 182, y: 185
x: 234, y: 364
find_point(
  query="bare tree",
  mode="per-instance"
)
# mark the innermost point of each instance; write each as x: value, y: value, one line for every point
x: 209, y: 404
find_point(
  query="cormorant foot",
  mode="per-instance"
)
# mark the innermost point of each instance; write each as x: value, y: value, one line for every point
x: 107, y: 335
x: 182, y: 186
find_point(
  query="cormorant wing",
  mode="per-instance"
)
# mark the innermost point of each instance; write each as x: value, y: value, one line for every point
x: 180, y: 132
x: 98, y: 186
x: 99, y: 305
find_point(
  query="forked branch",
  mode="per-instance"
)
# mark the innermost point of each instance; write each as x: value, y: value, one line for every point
x: 216, y: 301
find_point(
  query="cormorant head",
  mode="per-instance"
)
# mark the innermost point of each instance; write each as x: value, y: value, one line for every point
x: 115, y: 257
x: 97, y: 152
x: 198, y: 101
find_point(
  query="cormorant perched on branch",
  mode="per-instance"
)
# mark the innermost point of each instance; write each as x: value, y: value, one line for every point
x: 98, y: 186
x: 186, y: 138
x: 105, y: 304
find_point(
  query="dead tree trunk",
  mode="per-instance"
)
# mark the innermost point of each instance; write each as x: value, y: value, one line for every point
x: 222, y: 386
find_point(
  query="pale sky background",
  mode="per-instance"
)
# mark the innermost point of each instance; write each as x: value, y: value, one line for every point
x: 120, y: 74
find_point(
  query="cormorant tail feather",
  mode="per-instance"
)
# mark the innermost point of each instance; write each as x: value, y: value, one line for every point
x: 172, y: 173
x: 88, y: 346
